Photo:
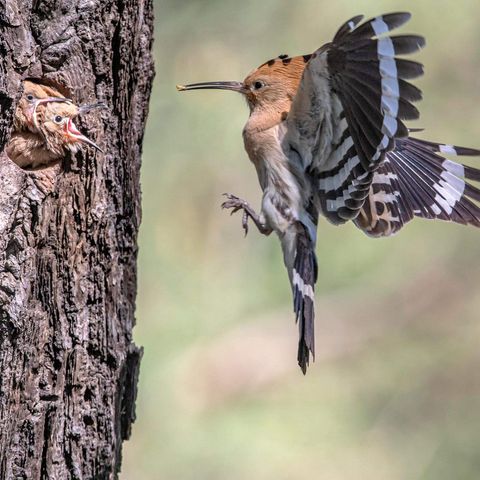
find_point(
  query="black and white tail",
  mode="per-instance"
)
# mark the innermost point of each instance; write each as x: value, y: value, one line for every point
x: 303, y: 278
x: 416, y: 180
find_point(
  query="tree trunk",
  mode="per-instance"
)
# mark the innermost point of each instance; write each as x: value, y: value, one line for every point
x: 68, y: 242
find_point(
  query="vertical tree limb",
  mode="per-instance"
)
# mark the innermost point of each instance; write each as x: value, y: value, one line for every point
x: 68, y: 242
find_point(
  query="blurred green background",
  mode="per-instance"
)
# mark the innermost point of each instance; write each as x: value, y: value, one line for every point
x: 395, y: 390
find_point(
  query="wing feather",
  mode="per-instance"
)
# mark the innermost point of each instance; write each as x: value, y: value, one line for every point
x: 357, y: 77
x: 422, y: 183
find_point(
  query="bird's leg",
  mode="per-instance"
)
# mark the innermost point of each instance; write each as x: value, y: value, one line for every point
x: 237, y: 204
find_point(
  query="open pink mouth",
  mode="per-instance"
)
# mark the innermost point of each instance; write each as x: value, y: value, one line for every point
x: 72, y: 129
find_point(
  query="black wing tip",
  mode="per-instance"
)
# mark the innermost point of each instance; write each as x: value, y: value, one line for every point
x: 459, y: 151
x: 409, y: 69
x: 421, y: 41
x: 354, y: 21
x: 347, y: 27
x: 399, y: 17
x: 404, y: 13
x: 353, y: 26
x: 393, y: 19
x: 444, y: 148
x: 468, y: 152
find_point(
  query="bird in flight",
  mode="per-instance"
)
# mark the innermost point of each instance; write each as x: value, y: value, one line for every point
x: 44, y: 129
x: 327, y: 137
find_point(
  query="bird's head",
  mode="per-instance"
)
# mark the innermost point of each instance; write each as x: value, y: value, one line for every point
x: 55, y: 121
x: 33, y: 96
x: 270, y: 88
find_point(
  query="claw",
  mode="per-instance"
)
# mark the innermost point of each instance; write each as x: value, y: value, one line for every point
x: 237, y: 204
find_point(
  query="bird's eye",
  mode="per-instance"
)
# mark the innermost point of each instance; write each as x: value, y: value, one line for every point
x: 258, y: 85
x: 58, y: 119
x: 30, y: 97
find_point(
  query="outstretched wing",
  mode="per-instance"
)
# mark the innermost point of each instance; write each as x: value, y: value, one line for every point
x: 416, y: 180
x: 349, y: 108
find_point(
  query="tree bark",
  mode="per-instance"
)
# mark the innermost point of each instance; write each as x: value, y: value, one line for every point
x: 68, y: 241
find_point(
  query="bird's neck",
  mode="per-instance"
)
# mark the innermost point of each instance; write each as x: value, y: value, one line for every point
x: 264, y: 117
x: 261, y: 132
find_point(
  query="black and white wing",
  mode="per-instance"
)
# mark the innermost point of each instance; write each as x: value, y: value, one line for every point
x: 350, y: 107
x: 416, y: 180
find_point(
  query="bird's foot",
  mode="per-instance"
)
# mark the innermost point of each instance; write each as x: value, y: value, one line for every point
x: 237, y: 204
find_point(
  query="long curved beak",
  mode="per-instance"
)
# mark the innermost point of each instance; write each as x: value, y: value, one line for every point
x: 75, y: 135
x: 234, y: 86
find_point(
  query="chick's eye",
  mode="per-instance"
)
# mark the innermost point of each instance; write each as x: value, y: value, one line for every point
x: 57, y: 119
x: 258, y: 85
x: 30, y: 97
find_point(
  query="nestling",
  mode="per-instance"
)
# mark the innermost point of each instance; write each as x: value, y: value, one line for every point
x: 34, y: 95
x: 51, y: 133
x: 326, y: 136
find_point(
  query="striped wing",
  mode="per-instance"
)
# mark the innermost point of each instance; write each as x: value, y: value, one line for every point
x: 349, y: 109
x: 416, y: 180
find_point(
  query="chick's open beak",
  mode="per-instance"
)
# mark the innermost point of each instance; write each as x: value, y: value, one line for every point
x: 76, y: 136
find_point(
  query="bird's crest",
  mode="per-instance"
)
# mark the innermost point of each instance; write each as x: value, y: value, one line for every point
x: 273, y: 85
x: 282, y: 66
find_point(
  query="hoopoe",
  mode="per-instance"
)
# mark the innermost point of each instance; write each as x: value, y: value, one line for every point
x: 327, y: 137
x: 50, y: 131
x: 33, y: 95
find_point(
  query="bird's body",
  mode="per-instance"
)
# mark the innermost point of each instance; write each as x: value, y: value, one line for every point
x: 28, y: 150
x: 326, y: 136
x: 284, y: 188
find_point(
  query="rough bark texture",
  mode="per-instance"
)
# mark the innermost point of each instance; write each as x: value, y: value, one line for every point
x: 68, y: 242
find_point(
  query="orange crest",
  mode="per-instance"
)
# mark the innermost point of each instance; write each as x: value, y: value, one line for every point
x: 275, y: 80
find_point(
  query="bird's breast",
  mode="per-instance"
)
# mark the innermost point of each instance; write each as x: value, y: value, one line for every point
x: 265, y: 151
x: 281, y: 178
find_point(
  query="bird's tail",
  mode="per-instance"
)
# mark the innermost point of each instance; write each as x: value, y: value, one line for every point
x: 301, y: 262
